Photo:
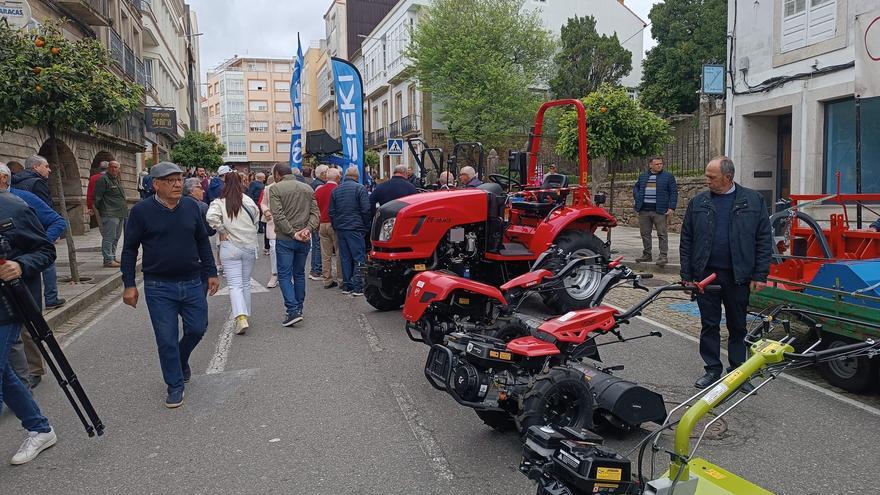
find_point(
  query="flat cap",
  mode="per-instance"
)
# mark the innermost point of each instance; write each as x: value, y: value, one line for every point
x: 164, y: 169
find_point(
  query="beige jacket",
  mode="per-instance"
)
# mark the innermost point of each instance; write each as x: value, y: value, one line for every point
x: 241, y: 230
x: 293, y: 207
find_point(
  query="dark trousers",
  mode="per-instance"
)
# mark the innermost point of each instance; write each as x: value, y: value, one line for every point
x: 736, y: 301
x: 648, y: 221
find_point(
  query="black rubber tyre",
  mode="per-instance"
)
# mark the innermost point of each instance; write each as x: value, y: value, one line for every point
x: 855, y: 375
x: 508, y: 331
x: 568, y: 297
x: 381, y: 301
x: 497, y: 420
x: 559, y: 398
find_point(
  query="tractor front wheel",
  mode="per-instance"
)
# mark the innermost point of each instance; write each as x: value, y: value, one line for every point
x: 578, y: 289
x: 382, y: 301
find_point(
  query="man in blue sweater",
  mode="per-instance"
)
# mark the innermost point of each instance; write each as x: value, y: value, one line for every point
x: 655, y: 196
x: 176, y: 256
x: 726, y: 231
x: 394, y: 188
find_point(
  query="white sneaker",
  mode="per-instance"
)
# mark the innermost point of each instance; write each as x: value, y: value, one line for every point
x: 32, y: 446
x: 241, y: 325
x: 273, y: 282
x: 312, y: 276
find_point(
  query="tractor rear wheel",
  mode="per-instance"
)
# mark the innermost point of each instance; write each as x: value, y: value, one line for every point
x: 382, y: 301
x: 855, y: 374
x: 559, y: 398
x: 579, y: 288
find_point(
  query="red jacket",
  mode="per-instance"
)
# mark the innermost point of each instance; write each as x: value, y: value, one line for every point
x: 322, y: 196
x: 90, y: 192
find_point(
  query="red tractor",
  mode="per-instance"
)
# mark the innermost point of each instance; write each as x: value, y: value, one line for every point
x: 492, y: 235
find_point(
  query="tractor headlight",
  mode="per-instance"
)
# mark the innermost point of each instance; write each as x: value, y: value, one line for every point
x: 387, y: 229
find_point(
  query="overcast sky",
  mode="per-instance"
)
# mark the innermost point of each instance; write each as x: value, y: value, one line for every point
x: 267, y: 28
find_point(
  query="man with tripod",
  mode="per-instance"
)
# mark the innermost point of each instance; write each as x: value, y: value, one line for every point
x: 27, y: 253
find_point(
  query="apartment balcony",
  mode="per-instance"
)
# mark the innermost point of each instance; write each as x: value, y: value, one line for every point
x: 140, y: 74
x: 410, y: 125
x: 369, y: 139
x: 92, y: 12
x: 145, y: 6
x: 394, y: 130
x: 130, y: 63
x: 122, y: 55
x: 380, y: 138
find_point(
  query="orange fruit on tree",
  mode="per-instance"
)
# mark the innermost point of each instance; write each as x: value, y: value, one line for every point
x: 56, y: 50
x: 37, y: 70
x: 603, y: 109
x: 40, y: 42
x: 38, y: 88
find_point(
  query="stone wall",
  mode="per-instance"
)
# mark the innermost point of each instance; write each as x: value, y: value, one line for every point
x: 78, y: 155
x: 622, y: 206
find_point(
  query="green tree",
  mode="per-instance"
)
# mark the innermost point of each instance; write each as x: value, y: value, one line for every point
x: 55, y: 84
x: 618, y: 127
x: 371, y: 159
x: 587, y: 60
x: 198, y: 149
x: 479, y: 60
x: 689, y: 33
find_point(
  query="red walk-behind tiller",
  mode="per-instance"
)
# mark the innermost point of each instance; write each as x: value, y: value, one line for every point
x: 544, y: 378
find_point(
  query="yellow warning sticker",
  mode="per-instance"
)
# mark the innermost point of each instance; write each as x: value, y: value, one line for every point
x: 732, y: 376
x: 419, y: 267
x: 608, y: 474
x: 715, y: 474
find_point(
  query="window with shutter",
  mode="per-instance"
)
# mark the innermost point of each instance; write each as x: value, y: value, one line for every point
x: 805, y: 22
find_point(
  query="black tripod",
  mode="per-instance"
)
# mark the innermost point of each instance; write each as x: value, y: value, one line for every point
x: 21, y: 301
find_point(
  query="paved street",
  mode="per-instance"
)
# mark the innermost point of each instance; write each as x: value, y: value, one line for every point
x: 338, y: 405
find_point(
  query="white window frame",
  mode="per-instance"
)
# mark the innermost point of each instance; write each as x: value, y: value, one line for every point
x: 284, y: 109
x: 283, y: 126
x: 819, y: 28
x: 281, y: 86
x: 259, y: 126
x: 258, y: 106
x: 282, y: 147
x: 259, y: 147
x: 258, y: 85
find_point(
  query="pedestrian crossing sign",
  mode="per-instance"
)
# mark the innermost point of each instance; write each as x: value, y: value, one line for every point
x: 395, y: 147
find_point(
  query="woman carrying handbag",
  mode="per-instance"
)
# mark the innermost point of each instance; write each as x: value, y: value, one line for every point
x: 234, y: 216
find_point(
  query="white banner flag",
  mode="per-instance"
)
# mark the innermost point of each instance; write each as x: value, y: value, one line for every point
x: 868, y: 54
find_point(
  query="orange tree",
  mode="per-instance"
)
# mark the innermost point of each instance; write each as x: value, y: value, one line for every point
x: 52, y: 83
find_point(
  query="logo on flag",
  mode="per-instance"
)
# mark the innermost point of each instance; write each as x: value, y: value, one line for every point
x: 295, y: 98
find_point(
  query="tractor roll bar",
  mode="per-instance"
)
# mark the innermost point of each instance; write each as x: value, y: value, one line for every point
x: 535, y: 145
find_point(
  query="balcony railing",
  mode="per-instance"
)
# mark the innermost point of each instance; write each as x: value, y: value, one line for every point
x: 409, y: 125
x: 144, y: 6
x: 123, y: 55
x: 380, y: 137
x: 92, y: 12
x: 130, y: 63
x: 369, y: 139
x: 141, y: 76
x: 394, y: 129
x: 131, y: 128
x: 117, y: 48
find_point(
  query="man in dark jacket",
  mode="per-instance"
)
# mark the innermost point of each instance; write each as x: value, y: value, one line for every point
x: 350, y: 217
x: 395, y: 188
x: 112, y: 207
x: 726, y: 231
x: 655, y: 195
x: 30, y: 253
x: 34, y: 178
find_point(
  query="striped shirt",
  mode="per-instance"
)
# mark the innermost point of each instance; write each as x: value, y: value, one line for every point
x: 651, y: 190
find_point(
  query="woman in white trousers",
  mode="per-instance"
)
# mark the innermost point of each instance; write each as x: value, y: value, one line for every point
x: 270, y: 234
x: 234, y: 216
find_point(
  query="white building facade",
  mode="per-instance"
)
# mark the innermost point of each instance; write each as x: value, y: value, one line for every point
x: 791, y: 110
x: 395, y: 108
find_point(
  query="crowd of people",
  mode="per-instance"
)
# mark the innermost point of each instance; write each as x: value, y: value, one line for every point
x: 191, y: 227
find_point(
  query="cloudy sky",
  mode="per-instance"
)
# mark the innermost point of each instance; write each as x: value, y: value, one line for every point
x: 267, y: 28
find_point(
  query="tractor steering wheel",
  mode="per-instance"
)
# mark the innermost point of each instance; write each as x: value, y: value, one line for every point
x: 504, y: 181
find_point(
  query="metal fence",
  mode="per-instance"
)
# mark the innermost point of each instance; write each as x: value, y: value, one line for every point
x: 685, y: 156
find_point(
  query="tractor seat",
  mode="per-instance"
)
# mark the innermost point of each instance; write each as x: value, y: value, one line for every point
x: 553, y: 181
x: 533, y: 208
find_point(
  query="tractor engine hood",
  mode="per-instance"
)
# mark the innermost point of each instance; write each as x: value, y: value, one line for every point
x: 412, y: 226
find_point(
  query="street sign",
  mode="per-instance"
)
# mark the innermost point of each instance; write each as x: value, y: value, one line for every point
x: 867, y: 83
x: 16, y: 12
x: 161, y: 120
x: 713, y: 79
x: 395, y: 147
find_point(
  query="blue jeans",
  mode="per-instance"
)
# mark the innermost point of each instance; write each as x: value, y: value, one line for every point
x: 16, y: 394
x: 167, y: 301
x: 50, y: 285
x: 291, y: 258
x: 316, y: 253
x: 352, y: 252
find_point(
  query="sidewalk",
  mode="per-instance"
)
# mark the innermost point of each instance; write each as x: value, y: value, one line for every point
x: 96, y: 281
x: 627, y: 242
